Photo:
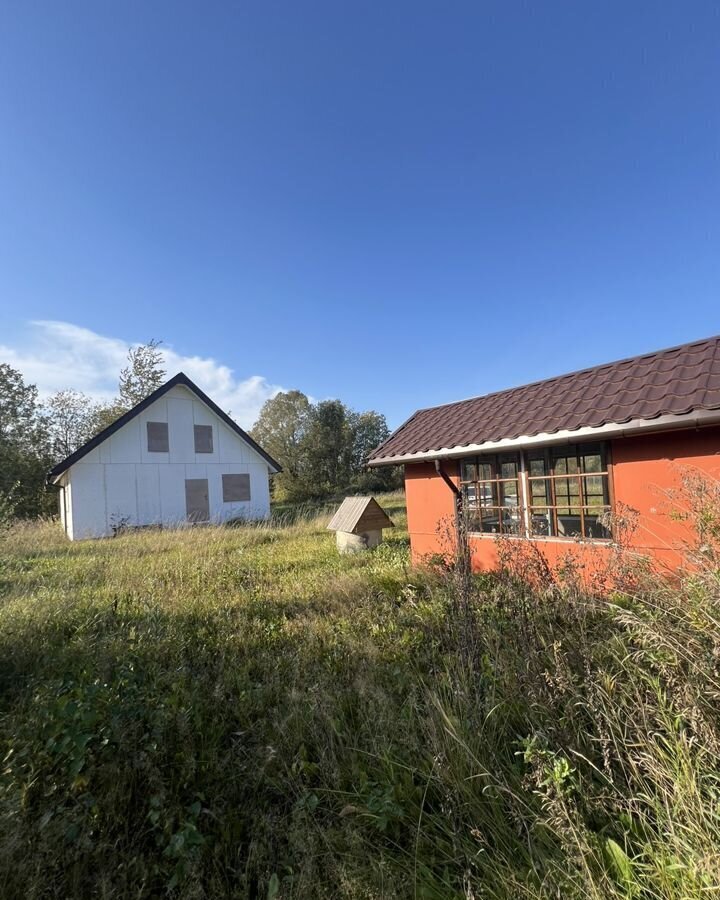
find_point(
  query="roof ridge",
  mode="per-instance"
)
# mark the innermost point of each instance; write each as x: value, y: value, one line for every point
x: 669, y: 381
x: 179, y: 379
x: 572, y: 374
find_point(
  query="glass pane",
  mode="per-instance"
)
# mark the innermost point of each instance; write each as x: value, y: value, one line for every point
x: 500, y: 521
x: 490, y: 521
x: 595, y: 501
x: 537, y: 465
x: 485, y: 471
x: 594, y: 490
x: 487, y: 493
x: 508, y: 468
x: 567, y: 491
x: 564, y: 461
x: 541, y: 522
x: 592, y: 462
x: 568, y: 522
x: 539, y: 492
x: 469, y: 471
x: 508, y: 493
x: 596, y: 525
x: 511, y: 521
x: 473, y: 523
x: 470, y: 495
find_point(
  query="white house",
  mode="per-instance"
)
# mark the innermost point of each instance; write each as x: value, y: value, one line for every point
x: 173, y: 459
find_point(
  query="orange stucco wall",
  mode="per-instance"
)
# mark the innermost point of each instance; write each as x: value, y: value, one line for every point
x: 645, y: 471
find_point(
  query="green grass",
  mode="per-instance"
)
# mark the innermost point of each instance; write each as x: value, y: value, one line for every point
x: 242, y: 712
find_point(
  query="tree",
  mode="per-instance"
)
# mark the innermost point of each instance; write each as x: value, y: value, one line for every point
x: 24, y: 447
x: 328, y: 448
x: 280, y: 430
x: 69, y: 417
x: 19, y: 407
x: 322, y: 447
x: 142, y: 375
x: 103, y: 414
x: 73, y: 418
x: 370, y: 430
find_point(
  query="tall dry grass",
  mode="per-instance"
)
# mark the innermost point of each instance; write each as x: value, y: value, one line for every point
x: 244, y: 713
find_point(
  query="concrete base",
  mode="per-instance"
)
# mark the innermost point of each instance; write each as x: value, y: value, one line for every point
x: 355, y: 543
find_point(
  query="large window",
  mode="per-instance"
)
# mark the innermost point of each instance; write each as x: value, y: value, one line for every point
x: 569, y: 491
x: 491, y: 490
x: 561, y: 491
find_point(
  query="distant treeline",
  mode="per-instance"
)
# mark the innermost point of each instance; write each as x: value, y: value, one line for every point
x: 321, y: 446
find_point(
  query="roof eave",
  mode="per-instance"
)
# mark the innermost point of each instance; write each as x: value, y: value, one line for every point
x: 694, y: 419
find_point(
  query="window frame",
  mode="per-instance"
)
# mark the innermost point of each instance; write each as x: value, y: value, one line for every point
x: 196, y: 426
x: 525, y: 494
x: 551, y: 455
x: 495, y: 483
x: 150, y: 449
x: 243, y: 475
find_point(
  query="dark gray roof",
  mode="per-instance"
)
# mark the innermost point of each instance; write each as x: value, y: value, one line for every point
x: 179, y: 379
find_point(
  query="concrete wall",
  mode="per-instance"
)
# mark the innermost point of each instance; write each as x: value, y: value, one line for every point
x: 347, y: 542
x: 646, y: 471
x: 121, y: 482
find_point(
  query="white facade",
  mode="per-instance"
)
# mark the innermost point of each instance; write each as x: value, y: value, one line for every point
x: 120, y: 482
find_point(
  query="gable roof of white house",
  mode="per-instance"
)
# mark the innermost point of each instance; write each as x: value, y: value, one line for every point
x: 179, y: 379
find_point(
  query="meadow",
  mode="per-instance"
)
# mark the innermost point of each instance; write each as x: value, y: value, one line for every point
x: 241, y: 712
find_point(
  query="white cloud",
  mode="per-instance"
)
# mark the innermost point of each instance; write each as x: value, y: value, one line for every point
x: 59, y: 355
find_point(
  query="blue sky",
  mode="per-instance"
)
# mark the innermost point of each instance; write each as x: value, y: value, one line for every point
x: 395, y: 204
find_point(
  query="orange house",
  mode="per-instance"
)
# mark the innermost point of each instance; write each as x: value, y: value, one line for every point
x: 558, y: 461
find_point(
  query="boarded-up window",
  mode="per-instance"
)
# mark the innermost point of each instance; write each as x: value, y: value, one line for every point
x: 236, y: 488
x: 203, y: 439
x: 157, y: 437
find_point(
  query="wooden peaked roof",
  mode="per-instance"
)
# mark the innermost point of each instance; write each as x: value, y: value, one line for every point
x: 179, y: 379
x: 357, y: 514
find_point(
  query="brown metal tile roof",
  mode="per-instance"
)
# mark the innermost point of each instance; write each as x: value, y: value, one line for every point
x: 668, y: 382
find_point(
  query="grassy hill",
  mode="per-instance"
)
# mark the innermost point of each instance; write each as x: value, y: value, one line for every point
x: 241, y: 712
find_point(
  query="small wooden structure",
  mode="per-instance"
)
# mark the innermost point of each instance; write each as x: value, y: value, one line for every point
x: 358, y: 524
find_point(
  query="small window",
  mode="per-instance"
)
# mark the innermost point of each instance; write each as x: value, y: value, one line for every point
x: 236, y: 488
x: 491, y: 490
x: 203, y: 439
x: 157, y: 437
